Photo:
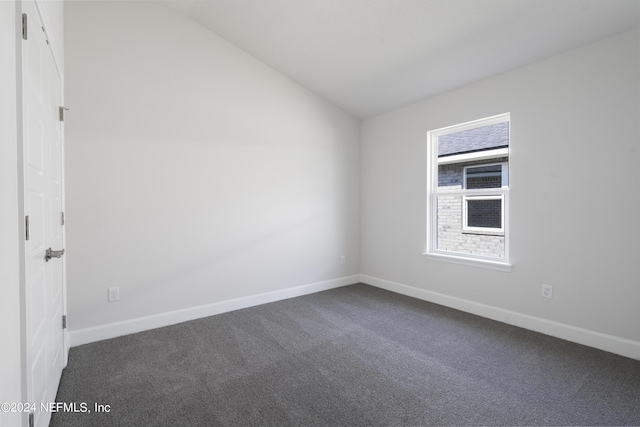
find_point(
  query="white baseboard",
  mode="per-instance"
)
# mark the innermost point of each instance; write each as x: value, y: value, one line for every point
x: 112, y: 330
x: 610, y: 343
x: 587, y: 337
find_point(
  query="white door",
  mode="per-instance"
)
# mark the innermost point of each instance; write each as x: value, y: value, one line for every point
x: 43, y: 173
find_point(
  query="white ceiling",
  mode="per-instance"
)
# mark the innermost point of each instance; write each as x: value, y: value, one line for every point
x: 372, y: 56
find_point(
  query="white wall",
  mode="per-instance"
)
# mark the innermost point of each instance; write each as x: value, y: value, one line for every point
x: 575, y: 199
x: 10, y: 356
x: 195, y: 173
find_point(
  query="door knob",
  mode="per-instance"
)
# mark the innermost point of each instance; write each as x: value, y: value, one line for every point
x: 53, y: 254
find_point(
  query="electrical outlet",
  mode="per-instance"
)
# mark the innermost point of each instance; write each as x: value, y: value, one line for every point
x: 343, y: 259
x: 547, y: 291
x: 113, y: 294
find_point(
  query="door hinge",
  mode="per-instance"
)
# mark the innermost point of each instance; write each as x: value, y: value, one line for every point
x: 61, y: 218
x: 31, y: 420
x: 24, y: 26
x: 26, y: 226
x: 64, y: 321
x: 62, y: 110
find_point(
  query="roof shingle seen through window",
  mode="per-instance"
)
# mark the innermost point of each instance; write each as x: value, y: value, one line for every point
x: 478, y: 139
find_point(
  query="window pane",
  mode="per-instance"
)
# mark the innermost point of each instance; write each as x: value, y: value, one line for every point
x: 468, y: 189
x: 485, y: 213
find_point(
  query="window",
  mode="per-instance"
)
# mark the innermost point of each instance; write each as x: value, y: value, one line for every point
x: 468, y: 193
x: 484, y: 213
x: 486, y: 176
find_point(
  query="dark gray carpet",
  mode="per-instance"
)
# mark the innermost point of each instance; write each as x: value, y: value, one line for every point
x: 351, y: 356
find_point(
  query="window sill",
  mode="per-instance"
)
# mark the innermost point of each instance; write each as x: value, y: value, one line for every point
x: 473, y: 262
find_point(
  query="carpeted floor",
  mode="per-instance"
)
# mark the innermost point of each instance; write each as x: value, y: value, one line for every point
x: 352, y: 356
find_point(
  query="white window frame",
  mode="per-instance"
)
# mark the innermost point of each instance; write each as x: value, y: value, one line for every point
x: 465, y: 217
x: 502, y: 264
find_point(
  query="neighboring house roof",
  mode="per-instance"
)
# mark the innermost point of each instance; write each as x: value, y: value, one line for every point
x: 478, y: 139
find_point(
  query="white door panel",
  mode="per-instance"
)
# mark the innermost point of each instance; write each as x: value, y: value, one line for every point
x: 43, y: 176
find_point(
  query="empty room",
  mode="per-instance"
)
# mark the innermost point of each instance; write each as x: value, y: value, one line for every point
x: 320, y: 212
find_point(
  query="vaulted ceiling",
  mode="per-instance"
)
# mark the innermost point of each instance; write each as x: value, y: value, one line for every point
x: 372, y: 56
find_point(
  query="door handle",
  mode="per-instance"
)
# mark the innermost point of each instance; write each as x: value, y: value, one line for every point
x: 53, y: 254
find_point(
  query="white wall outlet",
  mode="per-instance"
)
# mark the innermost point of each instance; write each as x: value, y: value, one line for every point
x: 547, y: 291
x: 343, y: 259
x: 113, y: 294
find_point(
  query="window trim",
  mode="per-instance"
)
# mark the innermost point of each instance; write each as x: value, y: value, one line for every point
x: 502, y: 264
